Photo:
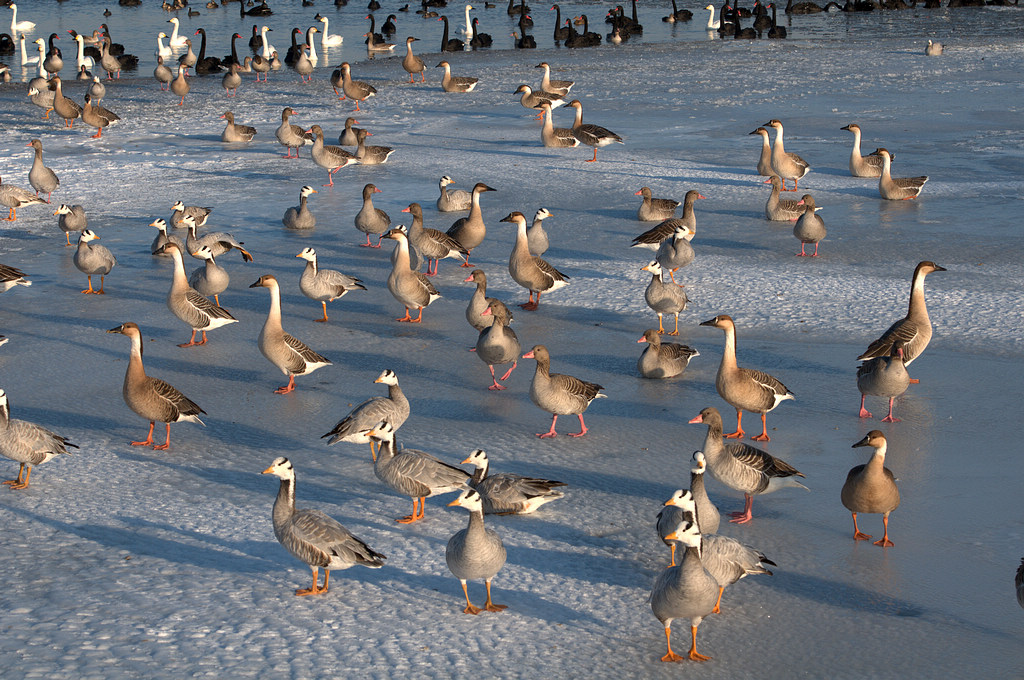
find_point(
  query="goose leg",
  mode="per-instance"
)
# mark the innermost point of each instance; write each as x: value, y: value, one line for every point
x: 167, y: 441
x: 409, y: 519
x: 290, y: 387
x: 595, y: 156
x: 192, y: 341
x: 884, y: 541
x: 551, y: 432
x: 11, y: 216
x: 583, y: 427
x: 661, y: 329
x: 763, y: 437
x: 738, y: 434
x: 672, y: 547
x: 530, y: 304
x: 747, y: 514
x: 470, y: 609
x: 149, y: 437
x: 490, y: 606
x: 407, y: 317
x: 891, y: 418
x: 418, y: 319
x: 675, y: 331
x: 313, y: 589
x: 495, y: 386
x: 515, y: 362
x: 323, y: 320
x: 718, y: 603
x: 694, y: 656
x: 13, y: 482
x: 864, y: 413
x: 802, y: 253
x: 101, y: 291
x: 28, y: 473
x: 858, y: 535
x: 68, y: 235
x: 89, y: 290
x: 466, y: 263
x: 670, y: 656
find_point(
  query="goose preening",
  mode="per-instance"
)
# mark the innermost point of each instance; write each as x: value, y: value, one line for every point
x: 371, y: 220
x: 324, y: 285
x: 300, y: 217
x: 478, y: 302
x: 676, y: 252
x: 236, y: 132
x: 12, y: 198
x: 664, y: 298
x: 450, y: 83
x: 359, y: 423
x: 530, y: 271
x: 453, y: 200
x: 764, y: 161
x: 560, y: 394
x: 897, y: 188
x: 93, y: 259
x: 914, y: 331
x: 655, y: 209
x: 152, y: 398
x: 871, y: 488
x: 746, y: 389
x: 497, y: 343
x: 313, y: 537
x: 507, y: 493
x: 475, y: 552
x: 862, y: 166
x: 741, y: 466
x: 591, y: 135
x: 210, y: 279
x: 412, y: 472
x: 786, y: 165
x: 292, y: 356
x: 187, y: 304
x: 412, y: 288
x: 809, y: 227
x: 432, y: 244
x: 663, y: 360
x: 41, y: 177
x: 329, y: 157
x: 27, y: 444
x: 778, y: 209
x: 471, y: 230
x: 71, y: 218
x: 219, y: 242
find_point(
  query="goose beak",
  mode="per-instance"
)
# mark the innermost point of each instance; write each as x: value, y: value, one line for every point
x: 268, y: 471
x: 698, y: 419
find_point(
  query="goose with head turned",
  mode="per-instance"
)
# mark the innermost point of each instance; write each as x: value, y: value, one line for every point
x: 210, y: 279
x: 780, y: 210
x: 675, y: 252
x: 163, y: 237
x: 533, y: 100
x: 27, y: 444
x: 871, y: 488
x: 219, y: 242
x: 453, y: 200
x: 536, y: 237
x: 507, y: 493
x: 93, y: 259
x: 359, y: 423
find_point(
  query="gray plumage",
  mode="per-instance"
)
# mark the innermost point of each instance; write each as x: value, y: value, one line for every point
x: 355, y: 89
x: 163, y: 75
x: 470, y: 231
x: 553, y: 137
x: 450, y: 83
x: 11, y: 277
x: 236, y: 132
x: 453, y: 200
x: 371, y: 220
x: 663, y: 360
x: 664, y: 298
x: 475, y: 552
x: 809, y: 227
x: 199, y: 215
x: 300, y: 217
x: 871, y: 488
x: 412, y: 63
x: 62, y: 106
x: 324, y: 285
x: 348, y: 136
x: 497, y: 343
x: 897, y: 188
x: 210, y: 279
x: 675, y: 252
x: 42, y: 178
x: 708, y: 517
x: 914, y: 331
x: 883, y: 377
x: 784, y: 164
x: 536, y: 237
x: 371, y: 155
x: 231, y: 80
x: 653, y: 237
x: 359, y: 423
x: 529, y: 271
x: 478, y: 302
x: 42, y: 98
x: 218, y: 242
x: 533, y: 100
x: 559, y: 394
x: 71, y: 218
x: 411, y: 288
x: 862, y: 166
x: 655, y: 209
x: 289, y: 135
x: 507, y: 493
x: 93, y: 259
x: 13, y: 197
x: 163, y: 238
x: 27, y: 444
x: 188, y: 305
x: 591, y: 135
x: 777, y: 209
x: 431, y: 244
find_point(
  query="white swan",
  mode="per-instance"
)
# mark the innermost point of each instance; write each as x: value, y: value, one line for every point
x: 313, y: 58
x: 329, y: 40
x: 712, y: 24
x: 268, y: 49
x: 25, y: 59
x: 19, y: 25
x: 176, y: 40
x: 468, y: 30
x: 161, y: 49
x: 83, y: 60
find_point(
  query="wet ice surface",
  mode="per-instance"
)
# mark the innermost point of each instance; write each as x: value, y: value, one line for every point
x: 123, y: 562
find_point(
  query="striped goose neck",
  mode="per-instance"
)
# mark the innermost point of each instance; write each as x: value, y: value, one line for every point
x: 386, y: 451
x: 284, y: 505
x: 5, y: 416
x: 479, y: 475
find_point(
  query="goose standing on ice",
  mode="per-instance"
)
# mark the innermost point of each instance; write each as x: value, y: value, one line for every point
x: 93, y: 260
x: 356, y: 90
x: 371, y: 220
x: 676, y: 252
x: 199, y: 214
x: 914, y: 331
x: 412, y: 288
x: 188, y: 305
x: 313, y: 537
x: 97, y: 116
x: 653, y: 237
x: 300, y: 217
x: 871, y: 488
x: 360, y: 421
x: 210, y: 279
x: 532, y: 100
x: 862, y: 166
x: 470, y: 231
x: 163, y: 74
x: 432, y: 244
x: 479, y: 301
x: 231, y: 80
x: 289, y: 135
x: 663, y: 360
x: 591, y: 135
x: 786, y: 165
x: 897, y: 188
x: 664, y: 298
x: 780, y: 210
x: 475, y: 552
x: 12, y: 198
x: 560, y: 394
x: 559, y: 88
x: 41, y: 177
x: 507, y: 493
x: 883, y: 377
x: 412, y: 63
x: 329, y: 157
x: 809, y: 228
x: 556, y: 138
x: 324, y: 285
x: 764, y: 161
x: 27, y: 444
x: 162, y: 238
x: 497, y: 343
x: 536, y: 237
x: 71, y: 218
x: 529, y: 271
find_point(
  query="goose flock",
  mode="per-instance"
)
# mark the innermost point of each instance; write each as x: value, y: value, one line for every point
x: 702, y: 563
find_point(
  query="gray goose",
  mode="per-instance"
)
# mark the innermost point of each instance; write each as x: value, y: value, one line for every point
x: 188, y: 305
x: 292, y: 356
x: 313, y: 537
x: 163, y: 74
x: 349, y: 136
x: 41, y: 177
x: 219, y: 242
x: 664, y: 298
x: 42, y: 98
x: 914, y: 331
x: 897, y: 188
x: 354, y: 89
x: 862, y: 166
x: 655, y: 209
x: 199, y: 215
x: 231, y: 81
x: 210, y: 279
x: 300, y: 217
x: 883, y: 377
x: 708, y: 517
x: 556, y: 138
x: 11, y: 277
x: 591, y: 135
x: 62, y: 106
x: 371, y: 220
x: 324, y: 285
x: 530, y: 271
x: 413, y: 289
x: 93, y: 260
x: 507, y: 493
x: 371, y: 155
x: 786, y: 165
x: 809, y: 228
x: 179, y: 86
x: 152, y: 398
x: 663, y: 360
x: 234, y: 132
x: 559, y: 394
x: 536, y: 237
x: 12, y: 198
x: 162, y: 238
x: 475, y: 552
x: 290, y: 135
x: 97, y: 116
x: 411, y: 63
x: 871, y: 488
x: 764, y: 161
x: 497, y: 343
x: 653, y: 237
x: 676, y: 252
x: 746, y: 389
x: 780, y: 210
x: 27, y: 444
x: 453, y: 200
x: 479, y: 301
x: 330, y: 158
x: 450, y: 83
x: 470, y: 231
x: 533, y: 100
x: 413, y: 473
x: 71, y: 218
x: 360, y: 421
x: 743, y: 467
x: 433, y: 244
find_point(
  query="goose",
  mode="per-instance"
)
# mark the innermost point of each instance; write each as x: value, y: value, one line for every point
x: 450, y: 83
x: 883, y: 377
x: 559, y: 394
x: 97, y: 90
x: 412, y: 63
x: 53, y: 62
x: 552, y: 137
x: 507, y: 493
x: 764, y: 161
x: 152, y: 398
x: 304, y: 65
x: 292, y: 356
x: 475, y: 552
x: 664, y: 298
x: 653, y: 237
x: 300, y: 217
x: 179, y: 86
x: 591, y: 135
x: 745, y: 388
x: 188, y: 305
x: 558, y: 88
x: 93, y: 259
x: 289, y: 135
x: 330, y: 158
x: 371, y: 220
x: 43, y: 99
x: 163, y: 74
x: 371, y: 155
x: 163, y: 237
x: 349, y: 136
x: 809, y: 228
x: 672, y: 512
x: 743, y: 467
x: 470, y: 231
x: 179, y: 211
x: 914, y: 331
x: 862, y: 166
x: 497, y: 343
x: 527, y: 42
x: 532, y: 100
x: 176, y: 40
x: 231, y: 80
x: 328, y: 39
x: 871, y: 488
x: 453, y: 200
x: 324, y: 285
x: 786, y: 165
x: 62, y: 106
x: 219, y: 242
x: 432, y: 244
x: 676, y: 252
x: 25, y: 59
x: 19, y: 26
x: 708, y: 517
x: 375, y: 41
x: 933, y: 49
x: 71, y: 218
x: 478, y: 302
x: 686, y: 590
x: 41, y: 177
x: 234, y: 132
x: 82, y: 60
x: 354, y: 89
x: 411, y: 288
x: 655, y: 209
x: 897, y: 188
x: 13, y: 197
x: 260, y: 64
x: 209, y: 279
x: 356, y: 427
x: 530, y: 271
x: 663, y: 360
x: 777, y: 209
x: 11, y: 277
x: 97, y: 116
x: 713, y: 24
x: 313, y: 537
x: 27, y: 444
x: 412, y: 472
x: 536, y: 237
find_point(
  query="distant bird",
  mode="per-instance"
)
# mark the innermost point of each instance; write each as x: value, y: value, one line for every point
x: 506, y: 493
x: 41, y: 177
x: 933, y: 49
x: 71, y: 218
x: 11, y: 277
x: 235, y: 132
x: 914, y: 331
x: 27, y: 444
x: 324, y: 285
x: 475, y: 552
x: 93, y: 259
x: 786, y: 165
x: 313, y: 537
x: 360, y: 421
x: 560, y: 394
x: 871, y: 488
x: 188, y: 305
x: 591, y: 135
x: 809, y: 227
x: 453, y: 200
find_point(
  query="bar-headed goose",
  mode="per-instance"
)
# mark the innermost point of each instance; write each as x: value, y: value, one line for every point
x: 507, y: 493
x: 27, y: 444
x: 360, y: 421
x: 475, y: 552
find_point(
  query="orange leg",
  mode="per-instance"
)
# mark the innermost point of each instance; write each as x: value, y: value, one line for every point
x: 216, y: 298
x: 583, y: 427
x: 418, y: 506
x: 315, y: 589
x: 466, y: 263
x: 671, y: 656
x: 12, y: 215
x: 100, y: 291
x: 323, y: 320
x: 167, y: 441
x: 763, y: 437
x: 595, y: 156
x: 672, y: 274
x: 28, y: 473
x: 99, y: 133
x: 531, y: 304
x: 192, y: 340
x: 675, y: 331
x: 672, y: 547
x: 407, y: 317
x: 149, y: 437
x: 857, y: 534
x: 470, y: 608
x: 290, y: 387
x: 747, y: 514
x: 884, y: 541
x: 68, y: 235
x: 661, y: 329
x: 718, y: 604
x: 89, y: 290
x: 694, y: 656
x: 490, y: 606
x: 16, y: 482
x: 738, y: 434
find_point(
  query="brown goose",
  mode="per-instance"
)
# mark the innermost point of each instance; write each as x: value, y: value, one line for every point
x: 786, y: 165
x: 883, y: 377
x: 413, y: 289
x: 41, y: 177
x: 371, y: 155
x: 745, y: 389
x: 350, y: 135
x: 655, y: 209
x: 234, y: 132
x: 777, y: 209
x: 450, y: 83
x: 809, y: 228
x: 591, y: 135
x: 62, y: 106
x: 530, y: 271
x: 871, y: 488
x: 914, y: 331
x: 497, y: 343
x: 371, y: 220
x: 663, y: 360
x: 330, y: 158
x: 289, y: 135
x: 187, y: 304
x: 652, y: 238
x: 432, y: 244
x: 354, y: 89
x: 560, y: 394
x: 12, y: 198
x: 898, y: 188
x: 764, y: 161
x: 556, y: 138
x: 411, y: 63
x: 559, y: 88
x: 180, y: 86
x: 470, y: 231
x: 479, y: 301
x: 862, y: 166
